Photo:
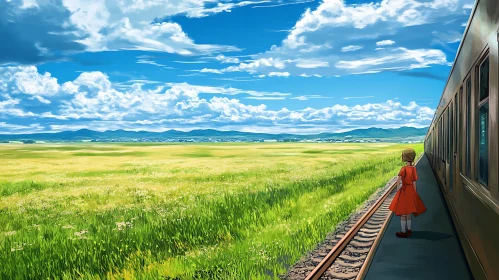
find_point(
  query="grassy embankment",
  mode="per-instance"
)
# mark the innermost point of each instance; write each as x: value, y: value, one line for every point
x: 202, y: 211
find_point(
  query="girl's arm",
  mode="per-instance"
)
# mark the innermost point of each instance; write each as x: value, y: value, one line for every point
x: 399, y: 183
x: 415, y: 186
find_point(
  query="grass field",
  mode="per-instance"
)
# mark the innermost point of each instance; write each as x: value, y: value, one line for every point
x: 203, y: 211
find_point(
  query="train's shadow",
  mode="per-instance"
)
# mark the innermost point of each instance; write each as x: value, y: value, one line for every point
x: 429, y: 235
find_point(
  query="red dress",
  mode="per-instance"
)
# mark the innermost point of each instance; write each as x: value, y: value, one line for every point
x: 407, y: 200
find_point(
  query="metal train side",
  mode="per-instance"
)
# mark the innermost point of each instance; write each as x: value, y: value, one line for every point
x: 463, y: 139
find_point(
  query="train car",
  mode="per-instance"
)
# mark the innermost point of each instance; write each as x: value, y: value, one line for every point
x: 463, y: 139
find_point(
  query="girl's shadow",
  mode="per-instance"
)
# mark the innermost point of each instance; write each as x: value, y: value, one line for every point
x: 429, y: 235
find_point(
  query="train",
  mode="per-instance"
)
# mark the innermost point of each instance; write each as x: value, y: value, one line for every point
x: 462, y: 143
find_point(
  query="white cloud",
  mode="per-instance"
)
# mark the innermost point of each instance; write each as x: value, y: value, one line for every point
x: 251, y: 66
x: 284, y: 4
x: 308, y: 76
x: 191, y: 62
x: 11, y: 107
x: 351, y: 48
x: 17, y: 128
x: 165, y: 37
x: 206, y: 70
x: 336, y: 33
x: 309, y: 64
x: 151, y: 62
x: 138, y: 81
x: 133, y: 24
x: 279, y: 74
x: 27, y: 80
x: 308, y: 97
x: 202, y: 11
x: 29, y: 4
x: 399, y: 59
x: 41, y: 99
x: 255, y: 65
x: 447, y: 37
x: 237, y: 79
x: 225, y: 59
x: 385, y: 43
x: 93, y: 101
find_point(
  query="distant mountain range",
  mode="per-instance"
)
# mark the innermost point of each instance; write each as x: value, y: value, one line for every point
x: 210, y: 134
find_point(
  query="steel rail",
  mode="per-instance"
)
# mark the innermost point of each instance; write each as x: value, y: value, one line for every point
x: 336, y: 251
x: 370, y: 256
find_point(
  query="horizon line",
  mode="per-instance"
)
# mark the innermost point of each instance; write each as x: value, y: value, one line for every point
x: 204, y: 129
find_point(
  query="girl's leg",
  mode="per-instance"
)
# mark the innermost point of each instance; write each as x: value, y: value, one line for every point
x: 409, y: 222
x: 403, y: 222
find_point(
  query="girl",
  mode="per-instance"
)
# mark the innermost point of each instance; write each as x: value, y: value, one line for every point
x: 407, y: 200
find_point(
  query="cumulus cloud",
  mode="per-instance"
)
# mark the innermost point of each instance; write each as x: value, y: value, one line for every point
x: 27, y: 80
x: 125, y: 34
x: 352, y: 38
x: 47, y: 30
x: 92, y: 100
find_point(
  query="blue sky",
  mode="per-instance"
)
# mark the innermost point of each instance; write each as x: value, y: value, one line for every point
x: 295, y: 66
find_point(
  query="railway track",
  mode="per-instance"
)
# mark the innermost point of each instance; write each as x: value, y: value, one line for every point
x: 347, y: 259
x: 347, y: 255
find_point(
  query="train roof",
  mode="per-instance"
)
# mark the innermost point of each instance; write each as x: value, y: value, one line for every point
x: 440, y: 104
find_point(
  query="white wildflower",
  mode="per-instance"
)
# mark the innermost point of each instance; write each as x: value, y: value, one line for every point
x: 123, y: 225
x: 81, y: 234
x: 17, y: 247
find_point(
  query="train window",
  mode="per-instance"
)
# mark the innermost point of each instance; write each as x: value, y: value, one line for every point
x: 442, y: 138
x: 445, y: 138
x: 451, y: 144
x: 483, y: 109
x: 439, y: 139
x: 468, y: 126
x: 449, y: 132
x: 459, y: 139
x: 444, y: 135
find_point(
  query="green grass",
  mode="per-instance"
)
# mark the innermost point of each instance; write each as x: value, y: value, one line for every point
x: 122, y: 154
x: 238, y: 211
